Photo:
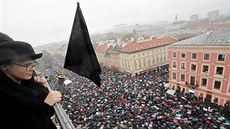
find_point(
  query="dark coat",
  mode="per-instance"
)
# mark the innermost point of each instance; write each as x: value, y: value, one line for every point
x: 23, y: 106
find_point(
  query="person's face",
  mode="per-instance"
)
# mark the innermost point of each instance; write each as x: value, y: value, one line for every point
x: 22, y: 70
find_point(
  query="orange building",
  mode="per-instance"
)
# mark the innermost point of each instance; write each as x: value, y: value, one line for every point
x: 202, y: 65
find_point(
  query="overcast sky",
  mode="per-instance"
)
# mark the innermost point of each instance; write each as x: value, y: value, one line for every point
x: 43, y: 21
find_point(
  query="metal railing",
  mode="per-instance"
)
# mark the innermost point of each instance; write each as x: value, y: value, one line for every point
x: 61, y: 115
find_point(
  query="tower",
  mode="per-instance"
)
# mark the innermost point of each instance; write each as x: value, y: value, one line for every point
x: 176, y: 17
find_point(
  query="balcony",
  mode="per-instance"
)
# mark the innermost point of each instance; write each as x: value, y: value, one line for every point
x: 192, y: 85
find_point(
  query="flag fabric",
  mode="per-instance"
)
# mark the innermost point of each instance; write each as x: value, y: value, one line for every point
x: 80, y: 56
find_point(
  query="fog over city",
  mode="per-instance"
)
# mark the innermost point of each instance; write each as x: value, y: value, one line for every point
x: 40, y: 21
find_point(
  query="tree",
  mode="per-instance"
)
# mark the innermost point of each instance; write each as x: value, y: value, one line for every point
x: 127, y: 37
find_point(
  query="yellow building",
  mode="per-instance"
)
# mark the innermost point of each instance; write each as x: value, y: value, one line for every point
x: 136, y: 58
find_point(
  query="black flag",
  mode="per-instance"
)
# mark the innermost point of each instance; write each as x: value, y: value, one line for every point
x: 80, y: 56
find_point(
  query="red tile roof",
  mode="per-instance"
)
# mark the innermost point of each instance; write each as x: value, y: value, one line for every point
x: 134, y: 47
x: 95, y: 46
x: 102, y: 48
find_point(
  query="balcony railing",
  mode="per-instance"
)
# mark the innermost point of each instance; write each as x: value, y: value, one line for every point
x: 191, y: 85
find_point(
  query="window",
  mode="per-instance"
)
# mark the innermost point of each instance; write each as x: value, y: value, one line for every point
x: 174, y: 64
x: 221, y: 57
x: 174, y: 54
x: 194, y: 56
x: 182, y: 77
x: 217, y: 85
x: 144, y: 62
x: 192, y: 80
x: 206, y: 56
x: 139, y: 63
x: 219, y: 70
x: 183, y: 55
x: 135, y: 65
x: 161, y: 59
x: 153, y: 59
x: 182, y: 65
x: 205, y: 68
x: 193, y: 67
x: 204, y: 82
x: 123, y: 63
x: 174, y: 76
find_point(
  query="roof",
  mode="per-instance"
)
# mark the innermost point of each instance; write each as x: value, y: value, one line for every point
x: 207, y: 25
x: 109, y: 50
x: 134, y: 47
x: 184, y: 36
x: 102, y: 48
x: 117, y: 47
x: 220, y: 37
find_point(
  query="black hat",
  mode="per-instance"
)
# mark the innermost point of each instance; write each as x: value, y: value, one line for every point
x: 5, y: 38
x: 16, y: 51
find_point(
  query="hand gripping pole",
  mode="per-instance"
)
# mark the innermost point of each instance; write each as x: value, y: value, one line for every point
x: 64, y: 120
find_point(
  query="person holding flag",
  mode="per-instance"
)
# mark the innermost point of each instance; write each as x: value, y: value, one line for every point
x: 26, y: 102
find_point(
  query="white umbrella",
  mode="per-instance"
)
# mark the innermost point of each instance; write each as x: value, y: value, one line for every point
x: 166, y: 85
x: 171, y: 92
x: 66, y: 82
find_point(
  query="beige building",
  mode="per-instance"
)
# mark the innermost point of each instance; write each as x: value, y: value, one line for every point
x: 115, y: 60
x: 100, y: 53
x: 136, y: 58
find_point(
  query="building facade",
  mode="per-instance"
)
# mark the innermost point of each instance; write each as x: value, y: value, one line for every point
x: 202, y: 65
x: 136, y: 58
x: 115, y: 60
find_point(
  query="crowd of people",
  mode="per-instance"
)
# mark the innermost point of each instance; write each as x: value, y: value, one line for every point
x: 139, y: 102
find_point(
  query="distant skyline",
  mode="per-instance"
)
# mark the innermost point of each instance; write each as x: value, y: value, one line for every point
x: 44, y: 21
